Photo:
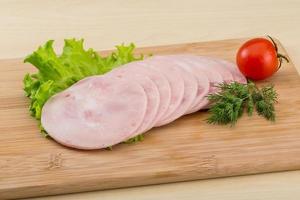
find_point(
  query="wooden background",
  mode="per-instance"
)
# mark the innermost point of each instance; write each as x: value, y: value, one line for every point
x: 26, y: 24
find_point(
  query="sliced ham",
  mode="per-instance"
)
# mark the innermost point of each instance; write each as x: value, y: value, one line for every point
x: 228, y: 70
x: 161, y: 82
x: 190, y: 89
x: 211, y: 73
x: 199, y: 74
x: 176, y: 84
x: 101, y: 111
x: 151, y: 90
x: 220, y: 67
x: 237, y: 75
x: 98, y: 113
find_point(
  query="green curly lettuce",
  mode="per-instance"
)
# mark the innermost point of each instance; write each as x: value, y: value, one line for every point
x: 58, y: 72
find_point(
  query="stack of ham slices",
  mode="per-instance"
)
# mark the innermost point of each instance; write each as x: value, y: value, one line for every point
x: 101, y: 111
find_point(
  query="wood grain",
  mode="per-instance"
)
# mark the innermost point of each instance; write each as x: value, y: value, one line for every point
x: 187, y: 149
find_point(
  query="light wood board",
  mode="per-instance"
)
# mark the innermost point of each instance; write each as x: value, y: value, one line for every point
x: 187, y: 149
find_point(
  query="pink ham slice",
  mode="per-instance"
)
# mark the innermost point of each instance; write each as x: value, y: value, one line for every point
x: 215, y: 63
x: 190, y: 89
x: 176, y: 84
x: 199, y: 74
x: 223, y: 69
x: 210, y: 72
x: 151, y: 90
x: 237, y: 75
x: 95, y: 113
x: 228, y: 70
x: 161, y: 82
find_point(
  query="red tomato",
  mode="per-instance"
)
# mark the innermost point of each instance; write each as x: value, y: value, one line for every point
x: 258, y: 58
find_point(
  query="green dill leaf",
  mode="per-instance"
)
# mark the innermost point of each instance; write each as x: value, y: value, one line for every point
x: 269, y: 94
x: 238, y: 109
x: 229, y: 103
x: 266, y: 110
x: 250, y: 106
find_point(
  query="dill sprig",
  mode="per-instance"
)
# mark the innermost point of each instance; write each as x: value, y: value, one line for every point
x: 229, y: 104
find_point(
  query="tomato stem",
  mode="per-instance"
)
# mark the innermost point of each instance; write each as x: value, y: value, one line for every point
x: 280, y: 62
x: 279, y: 55
x: 274, y: 43
x: 282, y: 56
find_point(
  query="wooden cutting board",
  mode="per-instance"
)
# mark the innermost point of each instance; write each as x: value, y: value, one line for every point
x: 186, y: 149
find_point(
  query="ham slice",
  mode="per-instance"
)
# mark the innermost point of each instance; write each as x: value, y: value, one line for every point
x: 161, y: 82
x: 151, y: 90
x: 190, y: 89
x: 218, y: 65
x: 176, y: 84
x: 96, y: 113
x: 212, y: 74
x: 237, y: 75
x: 199, y: 74
x: 228, y: 70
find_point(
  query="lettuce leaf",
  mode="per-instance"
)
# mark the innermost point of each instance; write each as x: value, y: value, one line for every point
x: 58, y: 72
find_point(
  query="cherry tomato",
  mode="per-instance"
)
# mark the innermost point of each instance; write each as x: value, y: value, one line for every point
x: 258, y: 58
